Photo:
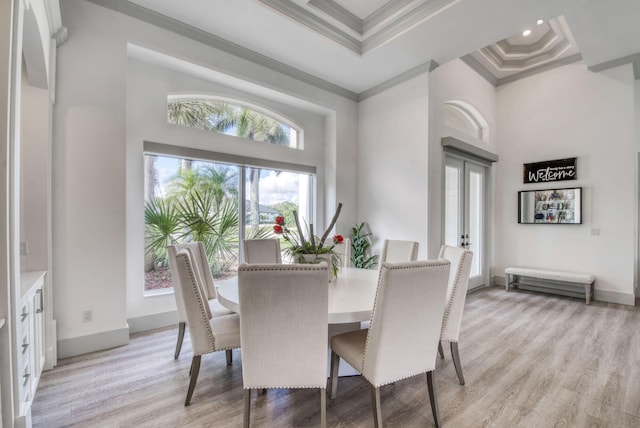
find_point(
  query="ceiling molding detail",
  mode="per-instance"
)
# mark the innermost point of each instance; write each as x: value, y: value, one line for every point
x: 631, y: 59
x: 308, y: 19
x: 390, y: 20
x: 154, y: 18
x: 550, y: 45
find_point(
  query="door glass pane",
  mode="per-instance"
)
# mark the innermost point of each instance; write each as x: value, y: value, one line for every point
x: 475, y: 220
x: 452, y: 206
x: 271, y: 193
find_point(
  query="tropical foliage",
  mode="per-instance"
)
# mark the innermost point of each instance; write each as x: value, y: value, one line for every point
x: 232, y: 119
x: 360, y: 245
x: 196, y: 208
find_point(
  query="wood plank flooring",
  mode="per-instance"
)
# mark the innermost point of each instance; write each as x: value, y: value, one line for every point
x: 529, y: 360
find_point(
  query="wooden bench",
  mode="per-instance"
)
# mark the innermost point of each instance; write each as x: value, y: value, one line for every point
x: 550, y: 281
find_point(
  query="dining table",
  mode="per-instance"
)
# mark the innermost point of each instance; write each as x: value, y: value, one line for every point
x: 351, y: 295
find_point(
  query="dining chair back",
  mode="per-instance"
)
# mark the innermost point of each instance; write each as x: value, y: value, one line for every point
x: 460, y: 271
x: 395, y: 251
x: 208, y: 334
x: 406, y: 319
x: 205, y: 280
x: 284, y: 315
x: 262, y: 251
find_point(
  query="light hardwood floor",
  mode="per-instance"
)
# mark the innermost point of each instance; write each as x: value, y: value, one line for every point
x: 529, y: 360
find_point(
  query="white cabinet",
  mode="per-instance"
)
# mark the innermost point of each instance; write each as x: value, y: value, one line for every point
x: 31, y: 350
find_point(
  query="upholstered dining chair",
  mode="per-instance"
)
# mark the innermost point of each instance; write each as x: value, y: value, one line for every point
x: 208, y: 334
x: 262, y: 251
x: 283, y: 315
x: 203, y: 270
x: 460, y: 270
x: 398, y: 251
x: 407, y: 316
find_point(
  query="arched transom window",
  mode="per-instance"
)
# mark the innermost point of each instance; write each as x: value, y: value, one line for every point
x: 232, y: 117
x: 465, y: 118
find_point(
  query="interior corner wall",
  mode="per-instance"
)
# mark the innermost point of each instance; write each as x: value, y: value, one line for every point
x: 454, y: 80
x: 34, y: 169
x: 393, y: 135
x: 571, y: 112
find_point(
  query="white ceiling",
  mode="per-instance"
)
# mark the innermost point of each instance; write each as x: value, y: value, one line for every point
x: 360, y: 44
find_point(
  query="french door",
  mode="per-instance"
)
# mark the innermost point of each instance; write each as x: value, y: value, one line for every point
x: 465, y: 208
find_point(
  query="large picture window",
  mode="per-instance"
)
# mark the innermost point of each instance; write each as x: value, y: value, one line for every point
x: 190, y: 199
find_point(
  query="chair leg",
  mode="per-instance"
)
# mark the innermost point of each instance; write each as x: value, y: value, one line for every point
x: 195, y: 369
x: 333, y: 375
x: 440, y: 351
x: 229, y: 356
x: 375, y: 403
x: 247, y: 407
x: 456, y: 361
x: 181, y: 328
x: 433, y: 399
x: 323, y: 408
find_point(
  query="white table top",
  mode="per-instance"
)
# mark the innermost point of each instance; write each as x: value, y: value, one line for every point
x: 351, y: 295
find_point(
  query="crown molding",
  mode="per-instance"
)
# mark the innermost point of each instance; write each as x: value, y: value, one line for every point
x: 339, y: 13
x: 401, y: 15
x: 162, y: 21
x: 476, y: 66
x: 384, y: 13
x: 400, y: 78
x: 400, y: 25
x: 539, y: 69
x: 308, y: 19
x: 489, y: 77
x: 633, y: 59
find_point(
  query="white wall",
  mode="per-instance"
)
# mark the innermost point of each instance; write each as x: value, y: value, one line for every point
x: 454, y: 80
x: 34, y: 159
x: 91, y: 229
x: 89, y: 175
x: 567, y: 112
x: 392, y: 163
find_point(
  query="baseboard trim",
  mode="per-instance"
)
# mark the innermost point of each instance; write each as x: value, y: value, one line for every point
x: 153, y: 321
x: 614, y: 297
x: 51, y: 353
x: 93, y: 342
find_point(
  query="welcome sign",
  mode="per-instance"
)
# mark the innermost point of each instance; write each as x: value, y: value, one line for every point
x: 553, y: 170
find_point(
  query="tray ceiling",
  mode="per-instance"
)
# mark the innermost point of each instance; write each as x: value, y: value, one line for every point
x: 352, y: 47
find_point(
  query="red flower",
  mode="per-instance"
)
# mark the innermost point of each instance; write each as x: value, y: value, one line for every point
x: 277, y: 228
x: 338, y: 239
x: 280, y: 220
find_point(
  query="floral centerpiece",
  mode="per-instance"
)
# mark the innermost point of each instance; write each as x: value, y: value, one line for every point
x: 312, y: 249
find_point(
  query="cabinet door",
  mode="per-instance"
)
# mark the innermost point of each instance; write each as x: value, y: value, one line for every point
x: 26, y: 350
x: 39, y: 331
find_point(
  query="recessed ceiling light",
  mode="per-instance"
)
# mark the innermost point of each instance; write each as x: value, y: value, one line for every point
x: 540, y: 22
x: 526, y: 32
